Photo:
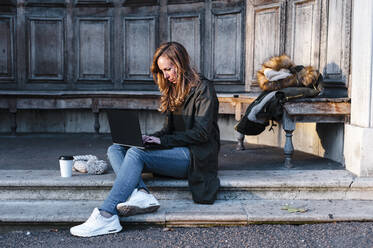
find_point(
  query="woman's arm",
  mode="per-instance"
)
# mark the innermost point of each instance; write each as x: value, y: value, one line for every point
x: 206, y: 110
x: 165, y: 129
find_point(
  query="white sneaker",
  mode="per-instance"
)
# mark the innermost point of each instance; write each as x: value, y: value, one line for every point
x: 138, y: 203
x: 97, y: 225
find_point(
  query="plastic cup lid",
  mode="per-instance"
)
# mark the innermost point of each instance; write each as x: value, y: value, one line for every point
x: 66, y: 158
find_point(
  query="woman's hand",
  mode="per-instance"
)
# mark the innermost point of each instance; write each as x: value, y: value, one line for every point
x: 151, y: 139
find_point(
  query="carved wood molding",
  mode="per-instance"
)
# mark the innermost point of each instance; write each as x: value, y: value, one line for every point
x: 139, y: 41
x: 227, y: 43
x: 336, y: 40
x: 8, y: 3
x: 140, y: 2
x: 45, y: 3
x: 265, y: 33
x: 303, y: 33
x: 7, y: 72
x: 183, y: 1
x: 186, y: 29
x: 94, y: 65
x: 94, y: 3
x: 40, y: 29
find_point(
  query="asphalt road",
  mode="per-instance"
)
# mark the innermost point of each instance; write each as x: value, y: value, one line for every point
x: 339, y: 235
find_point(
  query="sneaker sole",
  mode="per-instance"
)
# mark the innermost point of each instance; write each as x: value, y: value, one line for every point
x: 98, y: 233
x: 127, y: 210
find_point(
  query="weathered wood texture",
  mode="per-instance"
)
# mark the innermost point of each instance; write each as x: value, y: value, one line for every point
x: 95, y: 101
x: 311, y: 110
x: 150, y: 100
x: 7, y: 35
x: 265, y: 26
x: 311, y: 32
x: 336, y: 39
x: 179, y: 26
x: 46, y: 49
x: 109, y: 44
x: 318, y: 108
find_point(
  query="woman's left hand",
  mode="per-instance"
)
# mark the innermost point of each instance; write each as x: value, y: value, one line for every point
x: 152, y: 139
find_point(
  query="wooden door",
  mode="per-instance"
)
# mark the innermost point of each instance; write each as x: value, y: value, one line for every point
x: 109, y: 44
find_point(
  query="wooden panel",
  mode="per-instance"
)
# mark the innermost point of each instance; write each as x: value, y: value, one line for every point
x: 261, y: 2
x: 8, y: 2
x: 227, y: 46
x: 7, y: 48
x: 46, y: 48
x: 94, y: 2
x: 94, y: 49
x: 334, y: 52
x: 139, y: 46
x: 183, y: 1
x: 305, y: 32
x: 187, y: 31
x: 267, y: 35
x: 318, y: 108
x: 140, y: 2
x: 85, y: 103
x: 265, y: 31
x: 46, y: 3
x: 322, y: 118
x: 337, y: 28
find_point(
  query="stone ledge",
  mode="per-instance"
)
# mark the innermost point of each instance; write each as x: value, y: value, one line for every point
x: 186, y: 213
x: 229, y: 179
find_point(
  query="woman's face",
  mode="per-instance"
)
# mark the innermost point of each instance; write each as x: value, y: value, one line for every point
x: 168, y: 69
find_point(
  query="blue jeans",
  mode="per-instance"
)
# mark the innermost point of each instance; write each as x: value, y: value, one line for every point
x: 128, y: 165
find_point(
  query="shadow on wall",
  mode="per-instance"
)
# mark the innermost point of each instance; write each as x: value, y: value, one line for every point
x: 332, y: 134
x: 331, y: 138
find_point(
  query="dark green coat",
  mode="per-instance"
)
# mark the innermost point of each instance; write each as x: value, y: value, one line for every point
x: 202, y: 137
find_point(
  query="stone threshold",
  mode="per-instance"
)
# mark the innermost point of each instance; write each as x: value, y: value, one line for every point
x: 235, y: 185
x: 186, y: 213
x: 228, y: 179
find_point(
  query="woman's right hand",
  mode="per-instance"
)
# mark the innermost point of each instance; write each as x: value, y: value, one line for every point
x: 150, y: 139
x: 145, y: 138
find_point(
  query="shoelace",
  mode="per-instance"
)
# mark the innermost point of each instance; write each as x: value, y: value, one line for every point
x: 92, y: 220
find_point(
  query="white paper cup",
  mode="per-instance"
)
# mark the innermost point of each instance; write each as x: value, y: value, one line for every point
x: 66, y: 166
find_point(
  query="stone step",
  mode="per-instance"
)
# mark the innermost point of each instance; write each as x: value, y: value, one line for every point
x: 235, y: 185
x: 186, y: 213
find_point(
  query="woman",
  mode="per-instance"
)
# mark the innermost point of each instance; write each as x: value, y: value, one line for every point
x: 189, y: 139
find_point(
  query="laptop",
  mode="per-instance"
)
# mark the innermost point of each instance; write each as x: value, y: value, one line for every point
x: 125, y: 129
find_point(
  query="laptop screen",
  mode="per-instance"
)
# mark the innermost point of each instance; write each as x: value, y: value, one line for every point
x: 125, y: 127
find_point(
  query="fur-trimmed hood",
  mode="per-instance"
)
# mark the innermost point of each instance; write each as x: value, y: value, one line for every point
x: 280, y: 72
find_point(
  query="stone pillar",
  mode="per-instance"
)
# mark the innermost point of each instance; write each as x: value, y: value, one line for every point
x: 358, y: 144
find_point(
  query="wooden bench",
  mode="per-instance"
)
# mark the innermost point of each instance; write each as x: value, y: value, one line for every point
x: 319, y: 110
x: 92, y: 100
x: 324, y: 110
x: 97, y: 101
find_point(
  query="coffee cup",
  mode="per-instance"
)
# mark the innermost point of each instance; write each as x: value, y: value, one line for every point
x: 66, y: 165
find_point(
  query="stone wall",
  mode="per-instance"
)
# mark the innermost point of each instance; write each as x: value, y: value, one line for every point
x: 359, y: 133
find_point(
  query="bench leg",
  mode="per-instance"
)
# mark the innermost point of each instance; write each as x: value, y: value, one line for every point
x: 97, y: 123
x: 288, y: 126
x: 13, y: 125
x: 12, y: 103
x: 240, y: 138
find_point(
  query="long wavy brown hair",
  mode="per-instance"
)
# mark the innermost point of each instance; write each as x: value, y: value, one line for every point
x: 173, y: 95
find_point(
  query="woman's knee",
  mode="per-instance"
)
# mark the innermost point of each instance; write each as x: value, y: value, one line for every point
x: 135, y: 153
x: 115, y: 154
x: 114, y: 148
